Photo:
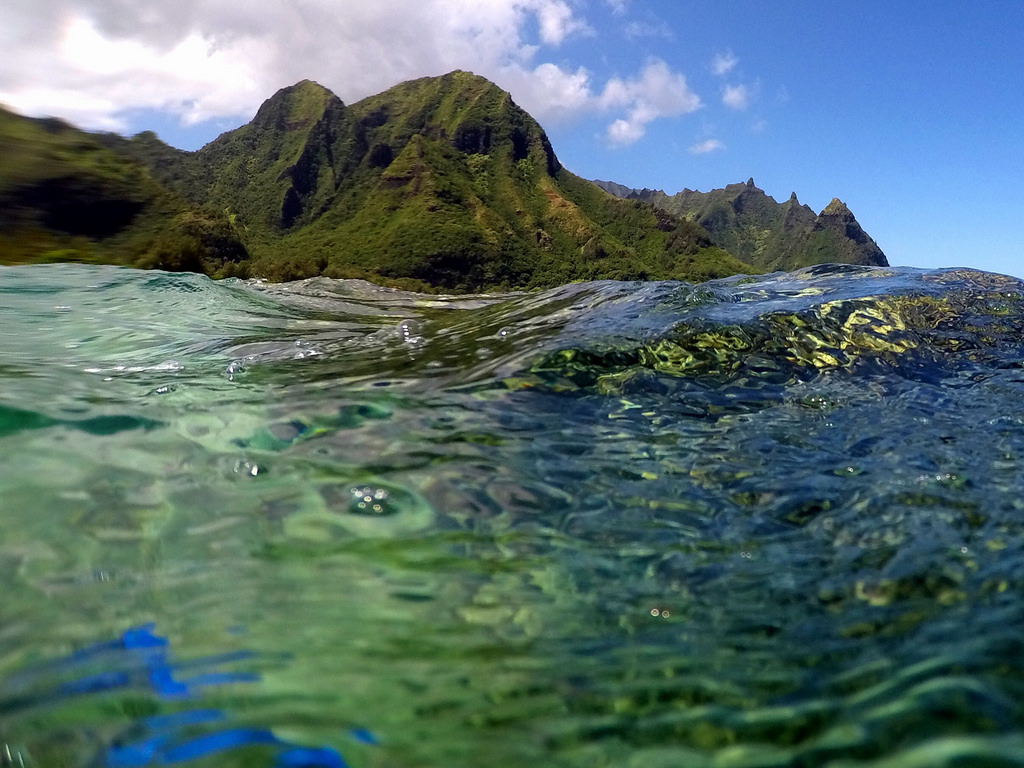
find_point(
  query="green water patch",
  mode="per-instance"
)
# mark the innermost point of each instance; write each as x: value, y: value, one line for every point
x: 752, y: 523
x: 15, y: 420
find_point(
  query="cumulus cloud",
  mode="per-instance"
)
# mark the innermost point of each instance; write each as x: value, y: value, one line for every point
x: 736, y: 96
x: 549, y: 92
x: 557, y: 21
x: 704, y: 147
x: 656, y: 92
x: 96, y: 62
x: 723, y: 63
x: 624, y: 132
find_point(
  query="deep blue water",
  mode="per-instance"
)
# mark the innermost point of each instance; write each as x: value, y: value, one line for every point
x: 754, y: 522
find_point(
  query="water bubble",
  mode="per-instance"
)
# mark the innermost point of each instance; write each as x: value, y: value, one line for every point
x: 505, y: 332
x: 305, y: 350
x: 235, y: 368
x: 246, y: 468
x: 371, y: 508
x: 818, y: 401
x: 409, y: 332
x: 369, y: 500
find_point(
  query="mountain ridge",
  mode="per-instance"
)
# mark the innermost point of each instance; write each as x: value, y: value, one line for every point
x: 770, y: 235
x: 439, y: 183
x: 66, y: 195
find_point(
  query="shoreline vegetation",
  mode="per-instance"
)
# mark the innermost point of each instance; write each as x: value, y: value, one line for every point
x: 437, y: 184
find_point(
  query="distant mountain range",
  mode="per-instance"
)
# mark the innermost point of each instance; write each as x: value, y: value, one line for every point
x: 755, y: 228
x: 440, y: 183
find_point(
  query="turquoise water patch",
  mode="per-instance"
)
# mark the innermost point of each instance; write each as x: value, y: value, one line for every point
x: 769, y: 522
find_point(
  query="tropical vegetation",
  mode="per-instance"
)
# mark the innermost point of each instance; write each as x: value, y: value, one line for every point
x: 441, y: 183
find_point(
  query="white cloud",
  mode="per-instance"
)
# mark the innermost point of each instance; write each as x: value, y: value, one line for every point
x: 656, y: 92
x: 723, y: 63
x: 557, y: 21
x: 96, y: 62
x: 623, y: 132
x: 638, y: 29
x: 105, y: 76
x: 93, y: 61
x: 548, y: 91
x: 704, y: 147
x: 736, y: 96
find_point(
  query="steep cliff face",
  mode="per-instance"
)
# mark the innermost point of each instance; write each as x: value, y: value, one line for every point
x: 438, y: 182
x: 268, y: 172
x: 838, y: 218
x: 770, y: 235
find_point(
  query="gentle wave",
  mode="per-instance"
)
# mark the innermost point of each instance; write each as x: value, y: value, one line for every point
x: 769, y: 521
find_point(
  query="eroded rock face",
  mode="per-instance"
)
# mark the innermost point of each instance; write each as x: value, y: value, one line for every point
x: 855, y: 243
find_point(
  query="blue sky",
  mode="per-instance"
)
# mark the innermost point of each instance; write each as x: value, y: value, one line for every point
x: 909, y: 112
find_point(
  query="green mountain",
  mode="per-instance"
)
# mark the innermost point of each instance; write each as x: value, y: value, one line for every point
x: 440, y: 183
x: 772, y: 236
x: 65, y: 195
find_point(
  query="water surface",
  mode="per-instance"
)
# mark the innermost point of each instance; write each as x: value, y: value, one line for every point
x: 755, y: 522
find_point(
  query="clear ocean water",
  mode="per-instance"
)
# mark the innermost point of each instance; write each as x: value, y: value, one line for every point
x: 752, y: 523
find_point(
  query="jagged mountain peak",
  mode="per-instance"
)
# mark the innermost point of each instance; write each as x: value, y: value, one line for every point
x: 836, y: 208
x: 294, y: 107
x: 753, y: 226
x: 469, y: 111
